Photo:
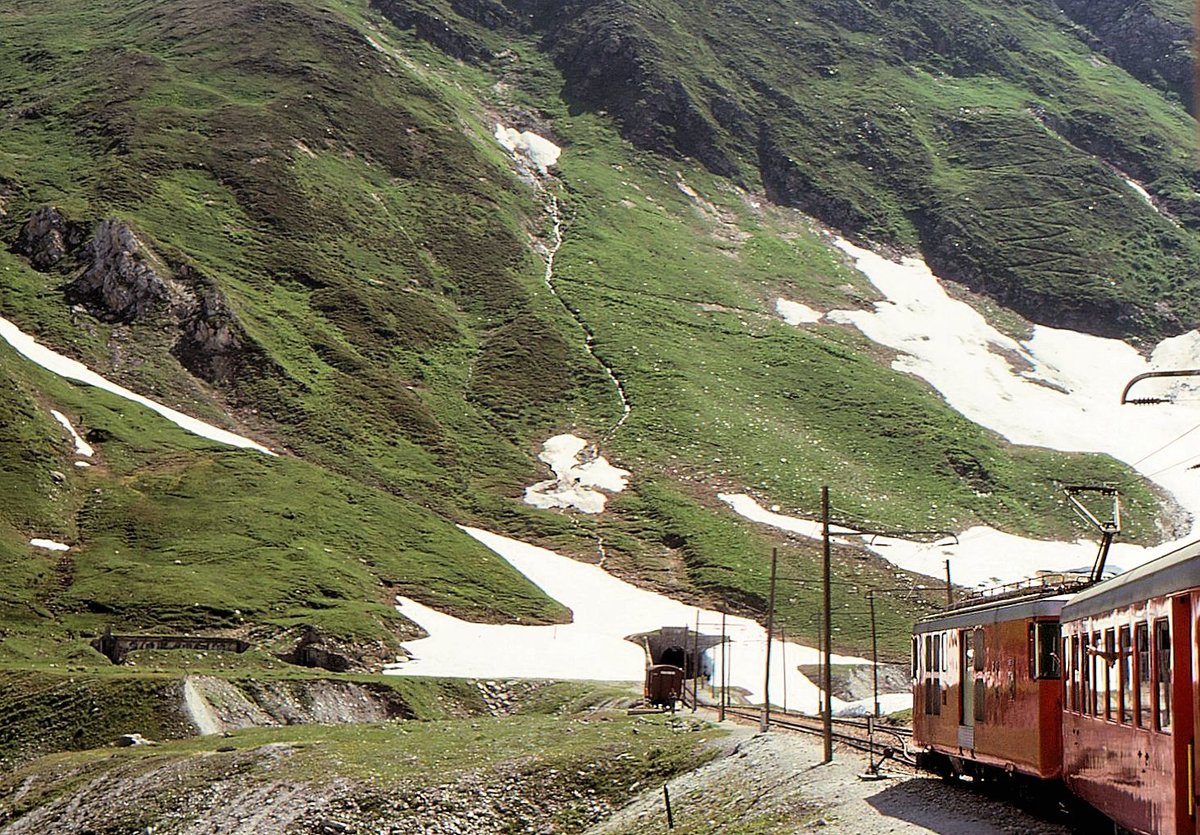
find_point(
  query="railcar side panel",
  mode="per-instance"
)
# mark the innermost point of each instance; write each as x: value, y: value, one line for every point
x: 1129, y: 717
x: 987, y: 693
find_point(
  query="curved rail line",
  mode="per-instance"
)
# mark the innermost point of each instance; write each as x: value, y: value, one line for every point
x: 853, y: 733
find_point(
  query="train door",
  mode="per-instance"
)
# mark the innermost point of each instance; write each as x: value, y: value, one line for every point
x: 1183, y: 686
x: 966, y: 690
x: 1193, y: 700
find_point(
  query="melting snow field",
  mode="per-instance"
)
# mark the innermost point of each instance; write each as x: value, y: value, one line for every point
x: 980, y: 557
x: 593, y: 646
x: 795, y: 313
x: 73, y: 370
x: 82, y: 447
x: 578, y: 478
x: 539, y: 151
x: 1057, y: 389
x: 49, y: 545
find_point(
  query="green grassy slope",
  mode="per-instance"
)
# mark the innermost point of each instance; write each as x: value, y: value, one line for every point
x: 334, y: 177
x: 918, y: 123
x: 550, y: 768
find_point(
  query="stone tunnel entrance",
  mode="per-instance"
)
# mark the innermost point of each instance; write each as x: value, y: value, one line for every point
x: 680, y: 646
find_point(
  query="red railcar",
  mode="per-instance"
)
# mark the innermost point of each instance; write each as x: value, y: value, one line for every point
x: 1132, y: 655
x: 987, y: 691
x: 664, y: 685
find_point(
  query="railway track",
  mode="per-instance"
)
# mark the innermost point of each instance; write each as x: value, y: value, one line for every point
x: 853, y: 733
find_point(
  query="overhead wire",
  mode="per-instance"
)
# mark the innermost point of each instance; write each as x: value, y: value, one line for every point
x: 1174, y: 440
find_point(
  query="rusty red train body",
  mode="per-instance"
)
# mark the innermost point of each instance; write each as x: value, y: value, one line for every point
x: 1006, y: 715
x: 1130, y: 719
x: 664, y: 685
x: 1100, y: 688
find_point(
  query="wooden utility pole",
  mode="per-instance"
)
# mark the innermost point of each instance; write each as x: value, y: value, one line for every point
x: 949, y: 591
x: 696, y: 664
x: 766, y: 714
x: 874, y: 654
x: 783, y: 663
x: 724, y: 673
x: 820, y: 666
x: 827, y: 684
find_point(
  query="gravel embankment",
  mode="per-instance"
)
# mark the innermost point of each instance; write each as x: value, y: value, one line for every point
x: 775, y: 783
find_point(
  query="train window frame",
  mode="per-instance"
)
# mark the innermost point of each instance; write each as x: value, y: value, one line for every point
x: 1076, y: 704
x: 1109, y: 659
x: 978, y: 667
x: 1162, y: 675
x: 1066, y: 677
x: 1125, y: 674
x: 1143, y: 673
x: 1044, y: 663
x: 931, y: 680
x: 1085, y: 673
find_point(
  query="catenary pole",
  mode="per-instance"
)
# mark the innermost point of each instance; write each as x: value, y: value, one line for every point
x: 766, y: 714
x: 827, y: 684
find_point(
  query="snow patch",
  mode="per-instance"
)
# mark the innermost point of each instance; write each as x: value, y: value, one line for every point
x: 593, y: 647
x: 538, y: 150
x: 795, y: 313
x: 82, y: 447
x: 73, y: 370
x: 1141, y: 191
x: 1056, y: 389
x: 981, y: 556
x: 578, y: 478
x: 49, y: 545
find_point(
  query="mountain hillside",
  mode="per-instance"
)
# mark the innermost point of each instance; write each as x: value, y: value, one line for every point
x: 292, y: 218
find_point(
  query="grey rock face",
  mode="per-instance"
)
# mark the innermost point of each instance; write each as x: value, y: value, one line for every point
x: 47, y: 237
x: 119, y: 283
x: 211, y: 341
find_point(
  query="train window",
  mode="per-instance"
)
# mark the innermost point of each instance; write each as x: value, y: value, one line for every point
x: 1075, y: 705
x: 1125, y: 667
x: 971, y: 675
x: 1068, y: 679
x: 933, y: 681
x: 1143, y: 672
x: 1045, y: 661
x: 1162, y: 679
x: 1085, y: 673
x: 1112, y: 686
x: 916, y: 651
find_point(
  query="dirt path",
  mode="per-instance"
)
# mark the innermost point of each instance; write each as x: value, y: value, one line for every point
x: 775, y: 783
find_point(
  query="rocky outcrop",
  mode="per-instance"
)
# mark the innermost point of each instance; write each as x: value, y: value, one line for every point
x: 120, y: 279
x: 437, y: 30
x: 229, y: 705
x: 212, y: 343
x: 123, y: 281
x: 788, y: 183
x: 47, y: 237
x: 611, y: 65
x: 1148, y: 44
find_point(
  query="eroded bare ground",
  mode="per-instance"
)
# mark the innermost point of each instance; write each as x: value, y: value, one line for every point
x: 775, y: 783
x: 759, y: 783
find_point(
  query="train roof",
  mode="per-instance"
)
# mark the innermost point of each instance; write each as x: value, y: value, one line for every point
x: 1046, y: 606
x: 1171, y: 572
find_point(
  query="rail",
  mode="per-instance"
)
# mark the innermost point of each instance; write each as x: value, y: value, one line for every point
x: 852, y: 733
